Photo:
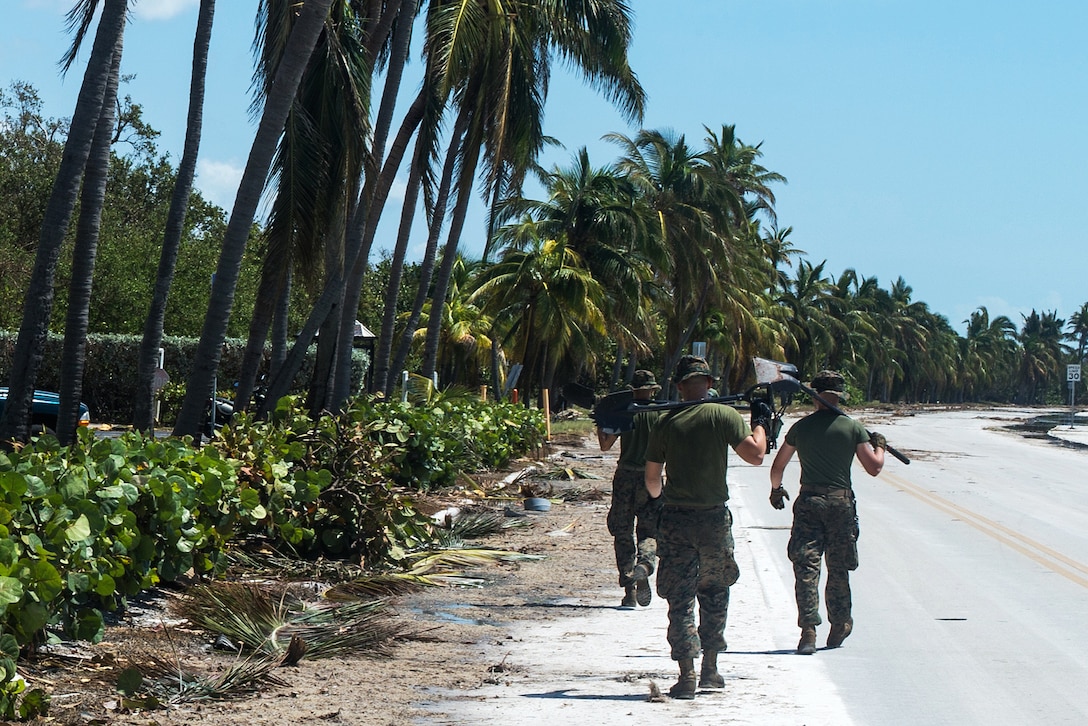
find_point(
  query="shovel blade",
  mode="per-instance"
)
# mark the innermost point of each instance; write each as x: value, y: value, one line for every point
x: 781, y: 377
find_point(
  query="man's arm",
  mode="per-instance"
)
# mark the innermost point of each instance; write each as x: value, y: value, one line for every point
x: 753, y: 447
x: 871, y: 458
x: 653, y: 478
x: 778, y: 466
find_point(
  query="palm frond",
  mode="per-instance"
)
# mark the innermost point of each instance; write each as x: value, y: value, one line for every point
x: 427, y: 562
x: 266, y: 620
x: 172, y: 682
x: 476, y: 525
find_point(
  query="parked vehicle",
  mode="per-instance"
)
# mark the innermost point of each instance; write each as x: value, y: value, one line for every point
x: 224, y: 409
x: 44, y: 412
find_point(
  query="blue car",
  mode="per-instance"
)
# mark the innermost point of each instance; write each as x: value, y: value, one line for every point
x: 43, y: 414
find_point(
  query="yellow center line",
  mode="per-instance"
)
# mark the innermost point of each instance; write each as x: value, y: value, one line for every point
x: 1049, y: 558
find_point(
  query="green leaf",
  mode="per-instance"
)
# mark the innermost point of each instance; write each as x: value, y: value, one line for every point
x: 34, y: 704
x: 130, y: 681
x: 78, y: 530
x: 9, y: 646
x: 89, y: 625
x: 11, y: 591
x: 19, y: 484
x: 106, y: 586
x: 79, y: 582
x: 113, y: 492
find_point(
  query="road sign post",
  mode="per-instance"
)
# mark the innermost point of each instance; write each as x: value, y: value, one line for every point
x: 1072, y: 374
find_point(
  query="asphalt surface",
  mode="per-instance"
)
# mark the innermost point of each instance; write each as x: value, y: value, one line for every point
x: 969, y: 603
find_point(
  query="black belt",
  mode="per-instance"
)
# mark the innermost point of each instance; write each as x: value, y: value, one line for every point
x: 809, y: 490
x: 681, y: 508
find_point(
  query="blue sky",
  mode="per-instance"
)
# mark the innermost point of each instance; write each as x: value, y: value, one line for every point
x: 938, y: 142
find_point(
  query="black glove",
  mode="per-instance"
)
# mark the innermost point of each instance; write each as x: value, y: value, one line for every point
x: 762, y: 415
x: 652, y: 509
x: 877, y: 441
x: 779, y: 497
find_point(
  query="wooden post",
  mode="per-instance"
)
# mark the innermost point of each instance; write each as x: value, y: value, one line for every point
x: 547, y: 415
x: 483, y: 393
x: 514, y: 396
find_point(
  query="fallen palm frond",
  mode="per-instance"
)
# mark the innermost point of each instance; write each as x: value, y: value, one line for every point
x: 425, y: 562
x: 377, y: 586
x: 270, y: 561
x: 169, y: 681
x: 476, y: 525
x: 582, y: 494
x: 536, y: 489
x: 264, y: 620
x: 568, y: 473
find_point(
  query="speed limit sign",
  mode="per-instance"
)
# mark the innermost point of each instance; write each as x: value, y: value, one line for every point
x: 1072, y: 373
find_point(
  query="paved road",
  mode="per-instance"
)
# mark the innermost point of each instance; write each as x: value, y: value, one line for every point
x: 973, y: 590
x: 970, y: 603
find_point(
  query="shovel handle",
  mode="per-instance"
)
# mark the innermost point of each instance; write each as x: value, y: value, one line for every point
x: 890, y: 449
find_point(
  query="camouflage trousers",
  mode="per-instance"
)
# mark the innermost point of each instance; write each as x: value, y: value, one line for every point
x: 824, y: 527
x: 632, y: 522
x: 695, y: 547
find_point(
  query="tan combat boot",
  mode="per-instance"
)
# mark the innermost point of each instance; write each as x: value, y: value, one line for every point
x: 643, y: 591
x: 807, y: 646
x: 684, y: 688
x: 839, y: 633
x: 708, y: 674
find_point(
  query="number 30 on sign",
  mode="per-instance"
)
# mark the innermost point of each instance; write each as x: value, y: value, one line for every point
x: 1072, y: 373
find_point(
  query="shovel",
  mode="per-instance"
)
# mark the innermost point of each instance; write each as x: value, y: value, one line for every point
x: 615, y: 411
x: 783, y: 369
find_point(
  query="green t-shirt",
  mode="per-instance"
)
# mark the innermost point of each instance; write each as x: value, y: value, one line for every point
x: 826, y: 443
x: 633, y: 442
x: 693, y: 444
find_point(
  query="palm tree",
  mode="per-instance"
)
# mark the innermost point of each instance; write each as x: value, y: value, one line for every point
x: 545, y: 304
x: 143, y: 411
x: 92, y: 199
x: 778, y: 250
x: 335, y: 309
x: 987, y: 353
x: 1040, y: 353
x: 496, y: 60
x: 297, y: 51
x: 1078, y: 332
x: 807, y: 301
x: 686, y: 224
x: 77, y: 148
x: 595, y: 211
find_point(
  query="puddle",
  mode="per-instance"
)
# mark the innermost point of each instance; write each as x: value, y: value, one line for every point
x: 1038, y: 426
x: 448, y: 614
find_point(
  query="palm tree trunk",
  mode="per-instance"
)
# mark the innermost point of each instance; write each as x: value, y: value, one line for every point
x: 372, y: 208
x: 449, y: 256
x: 269, y: 294
x: 426, y: 269
x: 279, y: 327
x: 300, y: 45
x: 143, y: 409
x: 88, y: 228
x: 29, y: 346
x: 380, y: 364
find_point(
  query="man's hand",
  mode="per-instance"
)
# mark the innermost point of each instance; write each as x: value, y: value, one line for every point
x: 762, y: 415
x: 779, y: 495
x: 877, y: 441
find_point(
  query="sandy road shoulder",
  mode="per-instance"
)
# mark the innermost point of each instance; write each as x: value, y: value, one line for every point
x: 578, y: 657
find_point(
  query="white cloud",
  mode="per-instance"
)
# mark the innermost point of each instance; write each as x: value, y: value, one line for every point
x: 218, y: 181
x: 161, y: 9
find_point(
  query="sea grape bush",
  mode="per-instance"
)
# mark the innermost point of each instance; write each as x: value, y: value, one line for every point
x: 85, y: 526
